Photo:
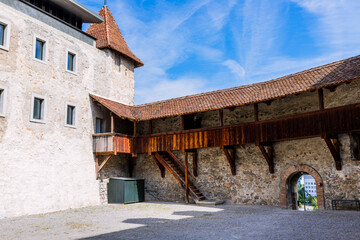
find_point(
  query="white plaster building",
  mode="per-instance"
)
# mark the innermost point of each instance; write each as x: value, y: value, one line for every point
x: 48, y: 66
x: 310, y: 185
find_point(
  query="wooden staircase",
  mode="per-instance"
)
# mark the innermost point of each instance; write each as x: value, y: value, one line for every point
x: 177, y: 170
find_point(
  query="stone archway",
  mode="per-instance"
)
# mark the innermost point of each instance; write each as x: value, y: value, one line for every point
x: 287, y: 184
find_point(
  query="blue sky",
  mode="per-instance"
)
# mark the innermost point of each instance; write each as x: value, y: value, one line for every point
x: 192, y: 46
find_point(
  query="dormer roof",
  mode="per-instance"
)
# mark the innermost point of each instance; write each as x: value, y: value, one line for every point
x: 108, y: 35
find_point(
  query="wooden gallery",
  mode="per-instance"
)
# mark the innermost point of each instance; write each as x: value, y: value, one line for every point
x: 248, y: 144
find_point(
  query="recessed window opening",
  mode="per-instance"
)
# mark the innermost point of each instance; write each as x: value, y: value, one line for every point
x: 71, y: 62
x: 40, y: 48
x: 306, y: 193
x: 99, y: 125
x: 70, y: 115
x: 2, y: 102
x: 2, y: 34
x: 38, y: 108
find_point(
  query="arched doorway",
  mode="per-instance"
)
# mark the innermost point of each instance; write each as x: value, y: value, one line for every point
x: 288, y: 185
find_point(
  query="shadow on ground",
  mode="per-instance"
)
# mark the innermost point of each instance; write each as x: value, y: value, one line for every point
x: 243, y: 222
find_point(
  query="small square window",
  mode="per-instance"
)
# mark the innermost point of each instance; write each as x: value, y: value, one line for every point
x: 99, y: 125
x: 70, y: 115
x: 40, y: 48
x: 2, y: 102
x: 38, y: 109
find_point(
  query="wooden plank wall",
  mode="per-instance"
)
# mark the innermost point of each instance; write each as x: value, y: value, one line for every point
x: 319, y: 123
x: 123, y: 144
x: 103, y: 143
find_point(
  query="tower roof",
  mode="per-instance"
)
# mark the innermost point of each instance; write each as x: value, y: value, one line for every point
x: 108, y: 35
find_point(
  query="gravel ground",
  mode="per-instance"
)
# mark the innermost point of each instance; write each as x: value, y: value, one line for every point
x: 160, y: 220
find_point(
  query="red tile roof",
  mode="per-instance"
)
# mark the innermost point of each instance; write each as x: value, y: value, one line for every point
x: 108, y: 35
x: 328, y: 75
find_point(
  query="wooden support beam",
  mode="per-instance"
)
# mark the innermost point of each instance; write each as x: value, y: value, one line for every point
x: 230, y: 155
x: 268, y: 156
x: 104, y: 162
x: 321, y: 98
x: 333, y: 145
x: 161, y: 167
x: 186, y: 179
x: 221, y: 117
x: 195, y: 163
x: 150, y: 127
x: 134, y: 133
x: 256, y: 112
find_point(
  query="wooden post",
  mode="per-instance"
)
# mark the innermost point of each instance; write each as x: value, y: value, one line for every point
x: 221, y: 117
x: 150, y: 126
x: 134, y: 133
x: 112, y: 122
x: 186, y: 179
x: 321, y: 99
x: 256, y: 112
x: 195, y: 163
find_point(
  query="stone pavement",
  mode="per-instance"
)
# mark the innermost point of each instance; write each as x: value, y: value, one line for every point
x: 160, y: 220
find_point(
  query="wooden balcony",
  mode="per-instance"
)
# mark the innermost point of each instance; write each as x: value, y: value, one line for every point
x: 112, y: 143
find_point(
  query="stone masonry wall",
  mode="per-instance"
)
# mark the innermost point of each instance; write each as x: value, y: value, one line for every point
x: 253, y: 184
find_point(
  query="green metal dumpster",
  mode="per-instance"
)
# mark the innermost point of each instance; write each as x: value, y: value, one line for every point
x: 126, y: 190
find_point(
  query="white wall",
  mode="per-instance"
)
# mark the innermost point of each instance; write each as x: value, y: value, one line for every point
x: 49, y: 167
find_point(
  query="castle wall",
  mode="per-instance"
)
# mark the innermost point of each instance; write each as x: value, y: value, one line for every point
x: 253, y: 184
x: 48, y: 166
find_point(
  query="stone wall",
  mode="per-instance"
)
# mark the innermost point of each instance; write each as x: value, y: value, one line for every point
x: 49, y: 166
x: 253, y: 184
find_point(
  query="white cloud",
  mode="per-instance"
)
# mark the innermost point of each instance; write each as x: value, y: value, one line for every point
x: 338, y: 23
x: 235, y: 68
x: 166, y: 89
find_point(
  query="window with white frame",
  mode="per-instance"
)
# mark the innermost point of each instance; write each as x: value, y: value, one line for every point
x: 40, y: 49
x: 70, y: 115
x: 71, y: 61
x: 38, y: 109
x: 2, y: 102
x: 4, y: 34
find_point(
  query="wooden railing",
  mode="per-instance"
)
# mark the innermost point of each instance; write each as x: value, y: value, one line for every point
x: 321, y: 123
x: 110, y: 143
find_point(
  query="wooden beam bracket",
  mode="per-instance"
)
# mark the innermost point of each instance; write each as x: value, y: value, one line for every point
x: 267, y: 155
x: 230, y: 155
x: 99, y: 168
x: 333, y: 145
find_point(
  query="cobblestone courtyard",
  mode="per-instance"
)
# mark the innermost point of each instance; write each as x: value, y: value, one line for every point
x: 154, y: 220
